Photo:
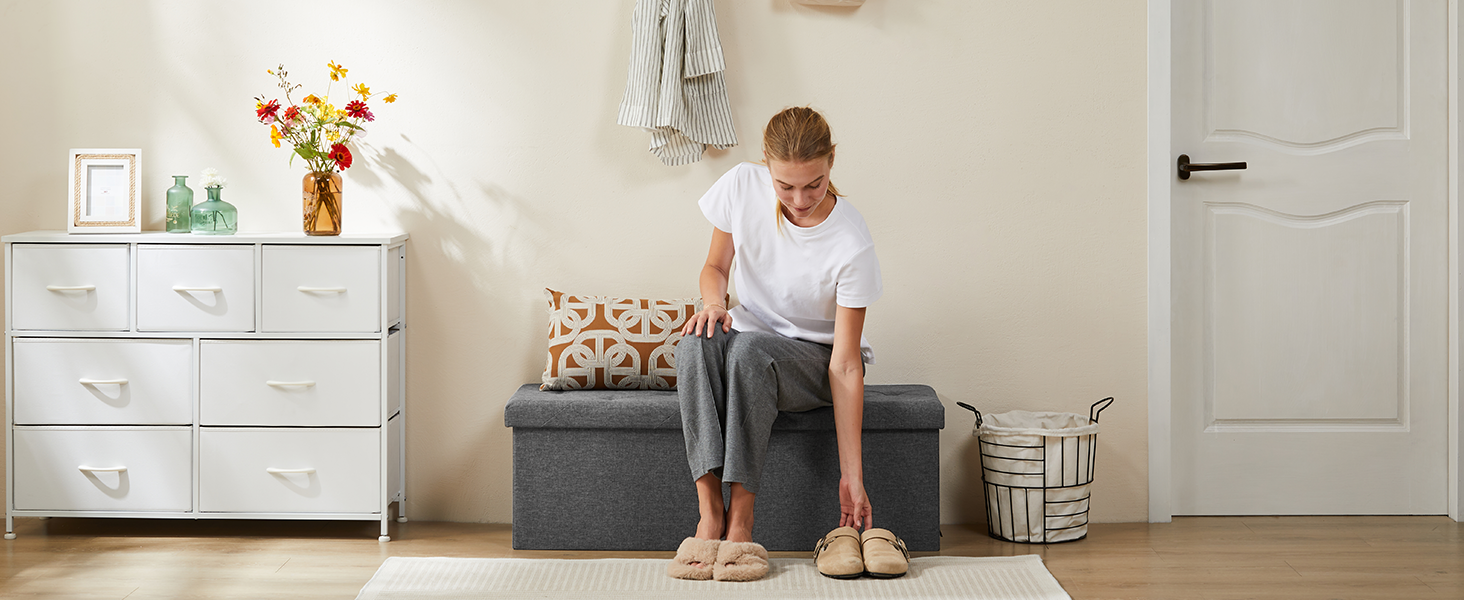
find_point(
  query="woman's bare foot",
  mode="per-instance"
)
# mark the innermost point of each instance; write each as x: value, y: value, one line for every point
x: 713, y: 524
x: 739, y: 515
x: 709, y: 502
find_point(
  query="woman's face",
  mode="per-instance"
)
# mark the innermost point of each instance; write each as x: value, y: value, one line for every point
x: 801, y: 186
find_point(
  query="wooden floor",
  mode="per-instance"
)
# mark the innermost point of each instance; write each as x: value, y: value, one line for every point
x: 1222, y: 558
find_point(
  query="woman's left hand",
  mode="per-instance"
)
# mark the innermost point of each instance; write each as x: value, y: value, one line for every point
x: 854, y: 509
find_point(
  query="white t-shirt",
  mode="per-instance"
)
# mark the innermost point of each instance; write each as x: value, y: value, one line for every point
x: 788, y: 283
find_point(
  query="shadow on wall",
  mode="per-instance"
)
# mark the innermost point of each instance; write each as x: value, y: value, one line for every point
x: 498, y: 243
x: 471, y: 251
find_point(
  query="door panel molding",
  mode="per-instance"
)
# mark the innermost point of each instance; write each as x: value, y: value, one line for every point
x: 1242, y: 323
x: 1223, y: 121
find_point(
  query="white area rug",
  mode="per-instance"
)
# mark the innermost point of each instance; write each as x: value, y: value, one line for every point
x: 944, y: 577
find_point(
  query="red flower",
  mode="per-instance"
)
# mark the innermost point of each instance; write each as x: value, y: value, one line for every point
x: 292, y: 114
x: 341, y: 155
x: 267, y: 111
x: 357, y: 110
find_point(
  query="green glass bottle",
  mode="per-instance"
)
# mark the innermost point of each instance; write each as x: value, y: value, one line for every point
x: 180, y: 205
x: 214, y: 216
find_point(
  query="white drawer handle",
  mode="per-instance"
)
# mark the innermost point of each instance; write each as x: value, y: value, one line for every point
x: 184, y: 288
x: 86, y: 469
x: 273, y: 383
x: 70, y: 288
x: 102, y: 381
x: 322, y: 290
x: 275, y: 471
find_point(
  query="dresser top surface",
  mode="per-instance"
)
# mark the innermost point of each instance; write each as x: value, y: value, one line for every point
x: 243, y: 237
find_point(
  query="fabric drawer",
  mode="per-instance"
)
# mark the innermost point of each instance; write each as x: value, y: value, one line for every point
x: 195, y: 288
x: 103, y: 382
x: 103, y: 468
x: 293, y: 383
x: 69, y: 287
x: 290, y: 470
x: 322, y: 289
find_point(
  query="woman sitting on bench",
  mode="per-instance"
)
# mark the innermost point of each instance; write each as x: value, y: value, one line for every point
x: 806, y: 271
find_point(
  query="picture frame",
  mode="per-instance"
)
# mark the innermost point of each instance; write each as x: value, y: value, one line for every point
x: 105, y: 186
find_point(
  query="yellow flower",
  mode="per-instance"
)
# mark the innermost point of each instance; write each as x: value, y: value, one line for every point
x: 332, y: 135
x: 311, y: 99
x: 274, y: 135
x: 336, y: 71
x: 364, y: 91
x: 390, y: 98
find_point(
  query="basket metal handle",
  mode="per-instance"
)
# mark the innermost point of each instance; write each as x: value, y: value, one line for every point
x: 972, y: 409
x: 1095, y: 410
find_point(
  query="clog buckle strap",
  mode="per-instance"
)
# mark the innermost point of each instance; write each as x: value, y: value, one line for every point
x: 898, y: 543
x: 824, y: 542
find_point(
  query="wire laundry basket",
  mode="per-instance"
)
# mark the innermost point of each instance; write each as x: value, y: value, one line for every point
x: 1036, y: 468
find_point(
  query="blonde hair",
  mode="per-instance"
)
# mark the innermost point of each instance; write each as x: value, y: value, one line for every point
x: 798, y: 134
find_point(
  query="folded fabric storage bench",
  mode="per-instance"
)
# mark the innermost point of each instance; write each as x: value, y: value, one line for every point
x: 606, y: 470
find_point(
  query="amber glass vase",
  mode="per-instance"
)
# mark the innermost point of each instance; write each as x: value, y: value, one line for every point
x: 322, y: 203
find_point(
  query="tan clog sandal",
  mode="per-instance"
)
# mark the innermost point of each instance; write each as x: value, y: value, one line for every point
x: 694, y: 559
x: 885, y: 556
x: 837, y: 555
x: 740, y: 561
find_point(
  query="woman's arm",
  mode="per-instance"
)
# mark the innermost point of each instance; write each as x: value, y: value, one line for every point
x: 713, y: 284
x: 846, y: 382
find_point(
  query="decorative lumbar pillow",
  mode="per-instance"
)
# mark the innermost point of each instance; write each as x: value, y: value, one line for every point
x: 604, y: 342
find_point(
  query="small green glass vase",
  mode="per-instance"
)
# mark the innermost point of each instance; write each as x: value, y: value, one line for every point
x: 180, y: 205
x: 214, y: 216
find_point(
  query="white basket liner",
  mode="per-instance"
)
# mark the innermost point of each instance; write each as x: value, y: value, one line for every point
x: 1049, y: 424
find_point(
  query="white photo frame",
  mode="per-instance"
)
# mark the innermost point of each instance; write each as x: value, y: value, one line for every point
x: 106, y: 190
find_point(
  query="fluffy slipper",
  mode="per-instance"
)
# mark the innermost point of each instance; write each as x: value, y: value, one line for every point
x: 694, y: 559
x: 740, y: 561
x: 838, y: 555
x: 885, y: 555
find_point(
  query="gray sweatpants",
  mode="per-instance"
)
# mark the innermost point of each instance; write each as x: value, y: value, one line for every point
x: 732, y: 386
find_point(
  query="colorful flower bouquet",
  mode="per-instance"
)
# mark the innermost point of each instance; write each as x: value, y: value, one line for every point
x: 319, y: 132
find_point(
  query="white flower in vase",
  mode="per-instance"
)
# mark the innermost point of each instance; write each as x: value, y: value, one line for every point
x: 211, y: 178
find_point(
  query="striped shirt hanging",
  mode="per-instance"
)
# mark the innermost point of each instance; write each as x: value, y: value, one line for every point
x: 675, y: 89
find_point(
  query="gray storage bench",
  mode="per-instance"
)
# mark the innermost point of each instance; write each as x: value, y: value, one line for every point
x: 606, y: 470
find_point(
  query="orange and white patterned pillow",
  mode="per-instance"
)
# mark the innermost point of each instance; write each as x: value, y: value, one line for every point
x: 604, y: 342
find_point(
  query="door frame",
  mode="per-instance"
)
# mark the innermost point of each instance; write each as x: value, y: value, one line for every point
x: 1160, y: 311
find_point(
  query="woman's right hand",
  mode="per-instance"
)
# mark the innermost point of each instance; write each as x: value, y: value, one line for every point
x: 708, y: 318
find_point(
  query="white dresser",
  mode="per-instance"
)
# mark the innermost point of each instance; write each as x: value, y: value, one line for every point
x: 253, y: 376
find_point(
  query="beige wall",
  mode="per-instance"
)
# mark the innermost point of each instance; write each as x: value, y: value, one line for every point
x: 995, y: 148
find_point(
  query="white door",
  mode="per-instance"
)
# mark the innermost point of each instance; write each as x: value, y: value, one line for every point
x: 1310, y: 289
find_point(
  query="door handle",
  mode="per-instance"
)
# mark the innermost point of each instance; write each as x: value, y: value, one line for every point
x: 1185, y: 166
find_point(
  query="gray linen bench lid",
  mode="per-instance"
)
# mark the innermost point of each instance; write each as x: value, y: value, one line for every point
x: 885, y: 407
